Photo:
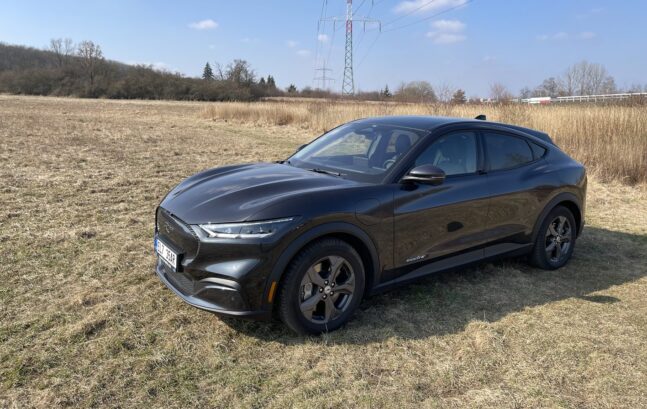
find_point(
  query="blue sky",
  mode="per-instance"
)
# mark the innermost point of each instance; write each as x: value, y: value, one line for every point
x: 516, y: 43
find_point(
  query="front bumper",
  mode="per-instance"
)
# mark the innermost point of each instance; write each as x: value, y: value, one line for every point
x: 211, y: 294
x: 227, y: 278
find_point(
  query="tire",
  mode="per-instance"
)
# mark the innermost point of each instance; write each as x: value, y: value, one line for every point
x: 322, y: 287
x: 554, y: 245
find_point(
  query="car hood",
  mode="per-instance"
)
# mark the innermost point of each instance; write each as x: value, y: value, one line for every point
x: 236, y: 193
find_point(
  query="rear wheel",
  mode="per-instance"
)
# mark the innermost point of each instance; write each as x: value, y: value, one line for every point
x: 322, y: 288
x: 555, y: 241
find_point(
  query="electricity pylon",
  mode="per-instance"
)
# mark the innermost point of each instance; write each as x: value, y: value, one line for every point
x: 324, y: 78
x: 348, y: 84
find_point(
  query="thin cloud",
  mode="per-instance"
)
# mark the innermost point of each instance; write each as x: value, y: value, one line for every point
x: 423, y: 6
x: 207, y: 24
x: 592, y: 12
x: 447, y: 32
x: 323, y: 38
x: 303, y: 53
x: 446, y: 38
x: 292, y: 43
x: 557, y: 36
x: 562, y: 35
x: 448, y: 26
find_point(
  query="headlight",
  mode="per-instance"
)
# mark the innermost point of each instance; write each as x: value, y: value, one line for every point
x: 245, y: 230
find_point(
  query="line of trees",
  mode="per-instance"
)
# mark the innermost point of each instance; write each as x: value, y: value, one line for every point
x: 583, y: 78
x: 80, y: 69
x: 66, y: 68
x: 412, y: 92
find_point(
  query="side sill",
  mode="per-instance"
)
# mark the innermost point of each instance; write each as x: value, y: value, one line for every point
x: 456, y: 262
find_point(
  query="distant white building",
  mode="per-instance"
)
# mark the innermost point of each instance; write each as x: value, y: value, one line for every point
x: 537, y: 100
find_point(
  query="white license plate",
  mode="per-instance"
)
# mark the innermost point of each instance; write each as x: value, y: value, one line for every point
x: 166, y: 254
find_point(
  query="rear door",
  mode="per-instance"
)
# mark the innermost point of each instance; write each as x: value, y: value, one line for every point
x: 434, y: 221
x: 514, y: 168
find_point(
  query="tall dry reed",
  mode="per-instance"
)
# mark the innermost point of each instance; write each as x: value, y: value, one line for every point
x: 610, y: 140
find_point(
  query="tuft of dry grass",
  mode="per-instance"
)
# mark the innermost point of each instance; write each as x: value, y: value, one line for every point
x: 610, y: 140
x: 84, y: 322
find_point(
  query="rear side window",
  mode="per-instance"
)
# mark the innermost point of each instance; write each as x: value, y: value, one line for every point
x: 537, y: 150
x: 454, y: 153
x: 505, y: 152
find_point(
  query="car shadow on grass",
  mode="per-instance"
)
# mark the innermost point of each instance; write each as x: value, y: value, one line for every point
x: 446, y: 303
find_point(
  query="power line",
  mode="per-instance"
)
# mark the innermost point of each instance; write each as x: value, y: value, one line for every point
x: 368, y: 15
x: 360, y: 6
x: 368, y: 50
x: 409, y: 13
x: 332, y: 42
x: 318, y: 47
x: 319, y: 27
x: 429, y: 17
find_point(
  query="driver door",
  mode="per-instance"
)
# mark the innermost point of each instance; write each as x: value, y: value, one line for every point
x: 431, y: 222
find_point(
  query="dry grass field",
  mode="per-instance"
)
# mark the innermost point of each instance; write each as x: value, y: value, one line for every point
x: 84, y: 321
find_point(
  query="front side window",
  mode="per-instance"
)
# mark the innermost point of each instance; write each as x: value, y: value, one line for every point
x: 454, y: 153
x: 505, y: 152
x: 358, y: 151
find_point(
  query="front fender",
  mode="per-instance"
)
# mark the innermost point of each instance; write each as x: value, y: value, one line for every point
x: 309, y: 236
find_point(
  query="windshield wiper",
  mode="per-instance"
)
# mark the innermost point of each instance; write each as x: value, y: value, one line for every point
x: 326, y: 172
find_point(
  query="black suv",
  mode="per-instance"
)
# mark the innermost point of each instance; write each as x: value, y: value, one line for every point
x: 371, y: 204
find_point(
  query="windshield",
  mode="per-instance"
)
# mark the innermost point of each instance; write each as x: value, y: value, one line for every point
x: 358, y: 151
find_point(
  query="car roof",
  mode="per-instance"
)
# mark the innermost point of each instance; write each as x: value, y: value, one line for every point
x: 414, y: 121
x: 432, y: 122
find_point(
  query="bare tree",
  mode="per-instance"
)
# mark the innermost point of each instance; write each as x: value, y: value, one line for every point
x: 525, y: 93
x: 444, y: 92
x: 218, y: 72
x: 570, y: 81
x: 416, y: 91
x: 62, y: 49
x: 68, y: 47
x: 56, y: 46
x: 635, y: 88
x: 91, y: 56
x: 240, y: 72
x: 550, y: 87
x: 609, y: 86
x: 499, y: 92
x: 585, y: 78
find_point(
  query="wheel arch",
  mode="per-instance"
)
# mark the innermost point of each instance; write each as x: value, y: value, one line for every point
x: 347, y: 232
x: 568, y: 200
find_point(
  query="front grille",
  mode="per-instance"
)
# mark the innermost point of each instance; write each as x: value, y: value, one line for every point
x: 182, y: 282
x: 176, y: 233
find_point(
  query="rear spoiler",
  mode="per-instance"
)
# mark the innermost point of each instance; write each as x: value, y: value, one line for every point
x: 538, y: 134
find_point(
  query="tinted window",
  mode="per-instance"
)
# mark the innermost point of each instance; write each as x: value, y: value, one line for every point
x: 454, y: 153
x: 506, y: 152
x: 537, y: 150
x: 359, y: 151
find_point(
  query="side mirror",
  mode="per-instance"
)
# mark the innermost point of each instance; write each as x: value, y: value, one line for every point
x: 301, y: 147
x: 427, y: 174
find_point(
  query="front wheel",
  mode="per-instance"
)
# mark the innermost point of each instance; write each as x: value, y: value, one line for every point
x: 322, y: 288
x: 555, y: 241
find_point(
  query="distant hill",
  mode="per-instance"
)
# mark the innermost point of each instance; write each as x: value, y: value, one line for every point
x: 81, y: 70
